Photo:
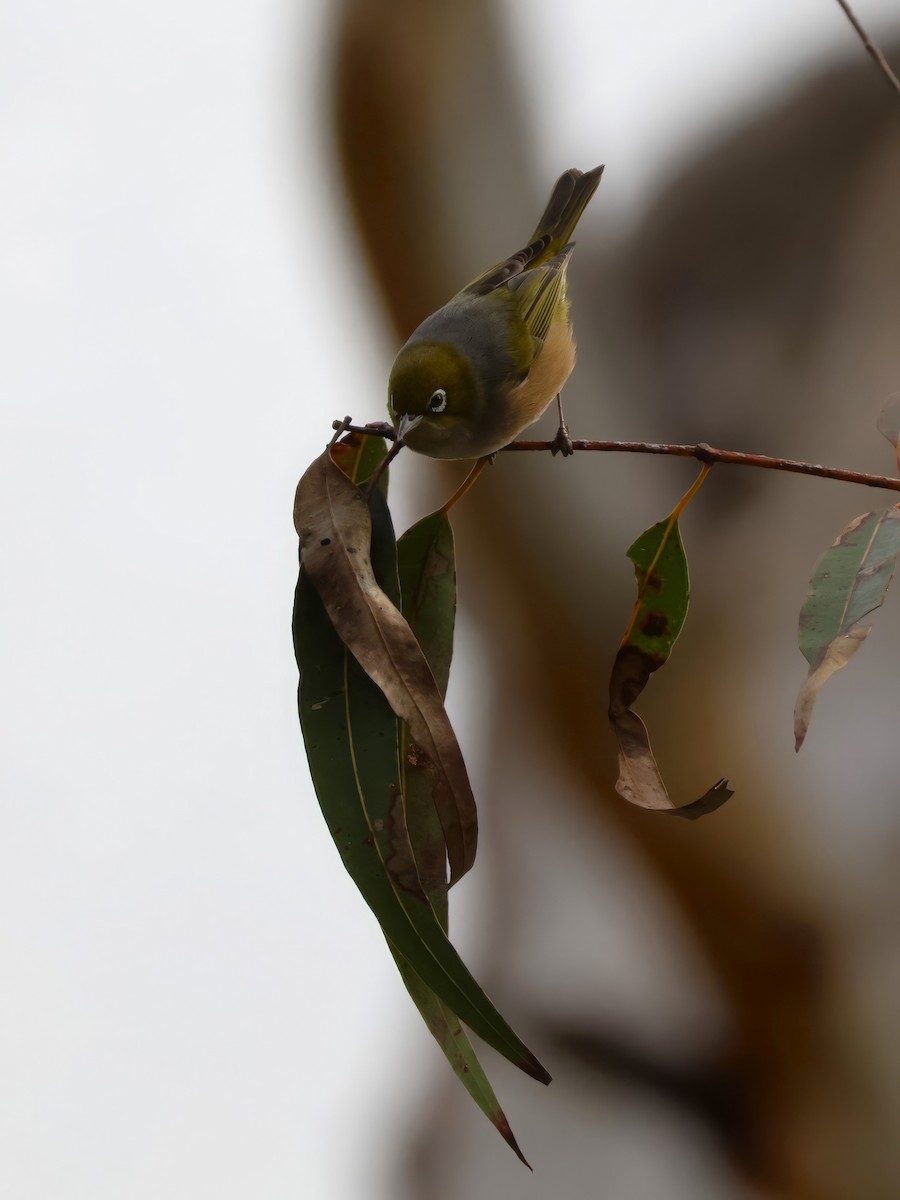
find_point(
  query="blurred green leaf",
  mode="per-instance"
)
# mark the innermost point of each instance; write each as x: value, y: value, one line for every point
x: 850, y: 581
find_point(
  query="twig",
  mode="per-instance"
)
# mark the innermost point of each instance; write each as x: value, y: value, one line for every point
x: 702, y: 452
x: 870, y: 46
x: 708, y: 454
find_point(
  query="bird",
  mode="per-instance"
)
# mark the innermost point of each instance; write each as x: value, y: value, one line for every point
x: 488, y: 363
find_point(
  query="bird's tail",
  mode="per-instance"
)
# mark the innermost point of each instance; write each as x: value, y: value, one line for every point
x: 569, y: 199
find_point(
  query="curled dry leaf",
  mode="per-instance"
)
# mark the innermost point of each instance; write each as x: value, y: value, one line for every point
x: 334, y: 525
x: 850, y: 581
x: 661, y: 569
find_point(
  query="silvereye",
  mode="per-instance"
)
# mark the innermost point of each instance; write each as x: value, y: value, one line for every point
x: 486, y: 365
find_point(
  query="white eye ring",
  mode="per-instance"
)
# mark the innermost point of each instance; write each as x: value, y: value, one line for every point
x: 438, y: 401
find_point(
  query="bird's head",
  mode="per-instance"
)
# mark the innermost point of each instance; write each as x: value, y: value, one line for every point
x: 432, y: 393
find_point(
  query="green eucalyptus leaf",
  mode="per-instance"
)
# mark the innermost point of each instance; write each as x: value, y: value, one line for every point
x: 426, y: 558
x: 444, y: 1026
x: 850, y: 581
x: 427, y: 566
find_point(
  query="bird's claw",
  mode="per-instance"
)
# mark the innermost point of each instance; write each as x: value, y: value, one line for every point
x: 562, y: 443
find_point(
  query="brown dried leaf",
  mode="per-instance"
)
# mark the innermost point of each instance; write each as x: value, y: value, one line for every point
x: 639, y: 779
x: 837, y: 655
x: 333, y: 521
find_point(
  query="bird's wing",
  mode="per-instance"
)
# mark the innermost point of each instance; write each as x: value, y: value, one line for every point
x: 568, y: 201
x: 540, y: 292
x: 510, y: 268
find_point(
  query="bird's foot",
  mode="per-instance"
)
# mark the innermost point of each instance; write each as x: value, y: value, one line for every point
x: 562, y: 443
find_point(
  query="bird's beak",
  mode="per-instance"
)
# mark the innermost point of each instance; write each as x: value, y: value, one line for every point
x: 406, y: 422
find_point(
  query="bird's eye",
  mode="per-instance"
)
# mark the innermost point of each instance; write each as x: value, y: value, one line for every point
x: 438, y: 401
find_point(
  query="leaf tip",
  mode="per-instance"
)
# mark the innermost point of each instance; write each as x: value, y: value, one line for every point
x: 536, y: 1070
x: 708, y: 802
x: 505, y: 1131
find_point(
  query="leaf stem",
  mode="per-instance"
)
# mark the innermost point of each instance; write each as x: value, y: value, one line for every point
x: 690, y: 493
x: 466, y: 484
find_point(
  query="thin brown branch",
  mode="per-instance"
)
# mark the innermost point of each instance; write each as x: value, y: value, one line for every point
x: 702, y: 452
x: 708, y: 454
x: 871, y: 47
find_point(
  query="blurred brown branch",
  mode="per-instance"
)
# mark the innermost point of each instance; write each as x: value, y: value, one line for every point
x: 871, y: 47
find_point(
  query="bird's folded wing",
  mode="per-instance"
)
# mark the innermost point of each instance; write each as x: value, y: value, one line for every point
x: 510, y: 268
x: 541, y: 291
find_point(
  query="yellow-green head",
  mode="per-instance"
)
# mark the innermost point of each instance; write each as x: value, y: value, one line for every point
x: 433, y: 394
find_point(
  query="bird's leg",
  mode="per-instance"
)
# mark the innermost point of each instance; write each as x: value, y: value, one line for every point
x: 467, y: 482
x: 562, y: 443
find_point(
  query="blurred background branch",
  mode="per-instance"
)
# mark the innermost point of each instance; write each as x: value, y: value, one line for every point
x: 878, y: 58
